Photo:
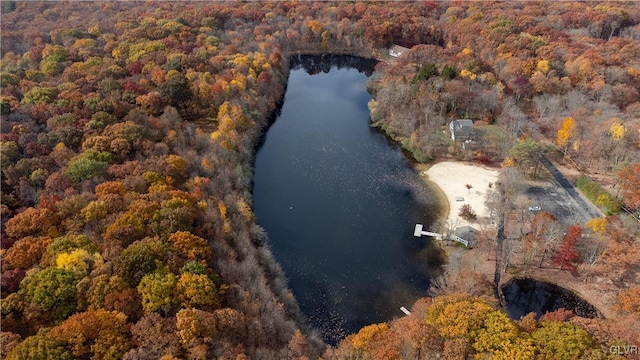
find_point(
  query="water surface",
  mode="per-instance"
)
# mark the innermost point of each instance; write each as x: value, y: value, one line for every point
x: 339, y: 202
x: 527, y: 295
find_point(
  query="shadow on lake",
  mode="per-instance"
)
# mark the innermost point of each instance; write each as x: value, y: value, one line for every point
x: 527, y: 295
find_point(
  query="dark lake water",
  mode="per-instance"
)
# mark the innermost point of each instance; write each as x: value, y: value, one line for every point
x: 526, y: 295
x: 340, y: 202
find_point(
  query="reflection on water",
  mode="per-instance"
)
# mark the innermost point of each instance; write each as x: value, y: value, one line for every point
x: 526, y: 295
x: 339, y: 202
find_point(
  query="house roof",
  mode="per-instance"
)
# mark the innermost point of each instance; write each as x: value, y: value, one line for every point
x: 461, y: 123
x: 461, y: 129
x: 398, y: 48
x: 466, y: 232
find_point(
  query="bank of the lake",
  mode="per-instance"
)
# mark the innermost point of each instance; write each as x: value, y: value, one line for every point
x: 440, y: 196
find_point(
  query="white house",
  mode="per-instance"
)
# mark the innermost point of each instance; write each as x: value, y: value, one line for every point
x: 397, y: 50
x: 461, y: 130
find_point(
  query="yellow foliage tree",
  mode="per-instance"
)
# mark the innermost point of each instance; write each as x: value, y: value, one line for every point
x: 458, y: 317
x: 240, y: 59
x: 197, y: 291
x: 559, y: 340
x: 244, y: 209
x: 565, y: 133
x: 597, y: 225
x: 543, y: 65
x: 315, y: 26
x: 223, y: 209
x: 94, y: 211
x: 467, y: 74
x: 366, y: 335
x: 508, y: 162
x: 633, y: 72
x: 190, y: 246
x: 497, y: 331
x: 520, y: 349
x: 176, y: 165
x: 617, y: 130
x: 79, y: 260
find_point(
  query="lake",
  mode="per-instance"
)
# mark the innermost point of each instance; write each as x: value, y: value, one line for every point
x: 339, y: 202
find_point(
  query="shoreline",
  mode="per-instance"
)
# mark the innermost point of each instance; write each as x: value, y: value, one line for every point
x: 444, y: 204
x: 451, y: 179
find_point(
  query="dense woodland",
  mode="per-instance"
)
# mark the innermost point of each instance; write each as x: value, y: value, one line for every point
x: 127, y: 140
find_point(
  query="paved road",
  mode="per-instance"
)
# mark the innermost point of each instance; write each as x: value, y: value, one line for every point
x: 584, y: 208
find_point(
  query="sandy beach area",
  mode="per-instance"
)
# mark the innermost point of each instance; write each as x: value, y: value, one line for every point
x: 452, y: 178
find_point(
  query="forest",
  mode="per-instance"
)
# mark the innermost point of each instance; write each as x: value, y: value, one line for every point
x: 128, y: 132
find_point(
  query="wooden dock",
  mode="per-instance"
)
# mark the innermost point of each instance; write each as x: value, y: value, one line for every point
x: 419, y: 232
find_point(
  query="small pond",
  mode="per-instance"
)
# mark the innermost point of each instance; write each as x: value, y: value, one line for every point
x: 339, y: 202
x: 527, y: 295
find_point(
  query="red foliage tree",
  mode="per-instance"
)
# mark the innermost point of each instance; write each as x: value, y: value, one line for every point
x: 561, y: 314
x: 10, y: 280
x: 567, y: 255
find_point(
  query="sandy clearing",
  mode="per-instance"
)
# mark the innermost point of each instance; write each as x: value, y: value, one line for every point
x: 452, y: 178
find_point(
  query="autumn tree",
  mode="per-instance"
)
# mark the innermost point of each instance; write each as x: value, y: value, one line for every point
x: 176, y: 89
x: 176, y: 214
x: 156, y: 337
x: 10, y: 280
x: 596, y: 242
x: 370, y: 342
x: 27, y: 252
x: 298, y: 347
x: 565, y: 135
x: 87, y: 165
x: 467, y: 213
x: 629, y: 178
x: 39, y: 347
x: 198, y: 291
x: 36, y: 222
x: 54, y: 290
x: 196, y: 328
x: 79, y: 261
x: 139, y: 259
x: 99, y: 334
x: 157, y: 291
x: 567, y: 255
x: 67, y: 244
x: 189, y: 246
x: 629, y: 301
x: 560, y: 340
x: 100, y: 287
x: 544, y: 233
